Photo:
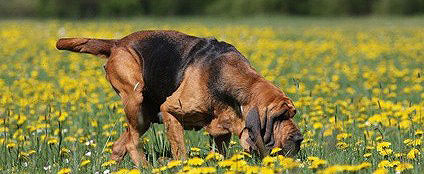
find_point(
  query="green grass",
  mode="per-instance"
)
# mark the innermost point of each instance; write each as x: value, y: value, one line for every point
x: 293, y: 58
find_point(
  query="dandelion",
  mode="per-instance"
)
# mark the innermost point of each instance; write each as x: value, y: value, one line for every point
x: 11, y: 145
x: 343, y: 136
x: 419, y: 132
x: 413, y: 153
x: 215, y: 156
x: 64, y: 171
x: 195, y: 149
x: 206, y: 170
x: 381, y: 171
x: 134, y: 171
x: 342, y: 145
x: 195, y: 161
x: 123, y: 171
x: 412, y: 142
x: 367, y: 155
x: 52, y: 141
x: 108, y: 163
x: 287, y: 163
x: 386, y: 152
x: 268, y: 161
x: 84, y: 163
x: 64, y: 150
x: 225, y: 163
x: 403, y: 166
x: 316, y: 162
x: 381, y: 146
x: 237, y: 156
x: 155, y: 170
x: 275, y: 150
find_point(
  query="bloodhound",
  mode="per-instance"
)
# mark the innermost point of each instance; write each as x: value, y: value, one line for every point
x: 195, y: 83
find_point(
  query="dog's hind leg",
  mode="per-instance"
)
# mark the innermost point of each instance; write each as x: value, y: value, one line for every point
x: 124, y: 73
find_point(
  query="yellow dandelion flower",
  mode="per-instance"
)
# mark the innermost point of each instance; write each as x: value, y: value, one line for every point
x: 275, y: 150
x: 381, y: 171
x: 412, y: 142
x: 134, y: 171
x: 403, y: 166
x: 316, y: 162
x: 64, y: 150
x: 84, y: 163
x: 328, y: 132
x: 30, y: 152
x: 215, y: 156
x: 109, y: 144
x: 245, y: 154
x: 268, y: 161
x: 317, y: 125
x: 195, y: 161
x: 155, y: 170
x: 386, y: 152
x: 122, y: 171
x: 225, y: 163
x: 413, y: 153
x: 64, y: 171
x: 108, y: 163
x: 239, y: 165
x: 70, y: 139
x: 252, y: 169
x: 419, y: 132
x: 287, y: 163
x: 383, y: 145
x: 343, y: 136
x: 195, y: 149
x: 52, y: 141
x: 206, y: 170
x: 186, y: 168
x: 342, y: 145
x: 11, y: 145
x: 266, y: 170
x: 174, y: 163
x: 107, y: 150
x: 237, y: 156
x: 163, y: 168
x: 4, y: 129
x: 367, y: 155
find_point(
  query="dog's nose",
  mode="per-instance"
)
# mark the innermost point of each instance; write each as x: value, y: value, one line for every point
x: 297, y: 138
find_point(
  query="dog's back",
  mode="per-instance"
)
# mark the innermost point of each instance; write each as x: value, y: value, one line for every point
x: 166, y: 55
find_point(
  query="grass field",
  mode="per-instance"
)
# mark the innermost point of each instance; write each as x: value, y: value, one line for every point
x: 357, y: 85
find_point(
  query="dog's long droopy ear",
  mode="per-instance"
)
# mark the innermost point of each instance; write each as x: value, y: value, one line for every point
x: 253, y: 124
x: 269, y: 124
x: 98, y: 47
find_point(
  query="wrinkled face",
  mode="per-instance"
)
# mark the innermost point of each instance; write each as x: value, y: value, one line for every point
x: 287, y: 137
x: 277, y: 129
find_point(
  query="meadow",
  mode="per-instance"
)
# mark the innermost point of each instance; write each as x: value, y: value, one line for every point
x: 357, y: 85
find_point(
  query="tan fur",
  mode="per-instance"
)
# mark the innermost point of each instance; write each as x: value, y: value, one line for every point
x: 191, y: 105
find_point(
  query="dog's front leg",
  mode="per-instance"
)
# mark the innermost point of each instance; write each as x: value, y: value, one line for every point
x: 174, y: 132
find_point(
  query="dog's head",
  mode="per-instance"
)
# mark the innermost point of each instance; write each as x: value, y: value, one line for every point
x: 270, y: 127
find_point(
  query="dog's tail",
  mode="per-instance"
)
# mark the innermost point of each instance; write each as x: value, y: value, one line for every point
x: 98, y: 47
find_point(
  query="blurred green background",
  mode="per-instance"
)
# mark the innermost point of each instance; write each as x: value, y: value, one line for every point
x: 236, y: 8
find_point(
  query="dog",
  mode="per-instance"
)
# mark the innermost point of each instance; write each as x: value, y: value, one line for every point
x: 194, y: 83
